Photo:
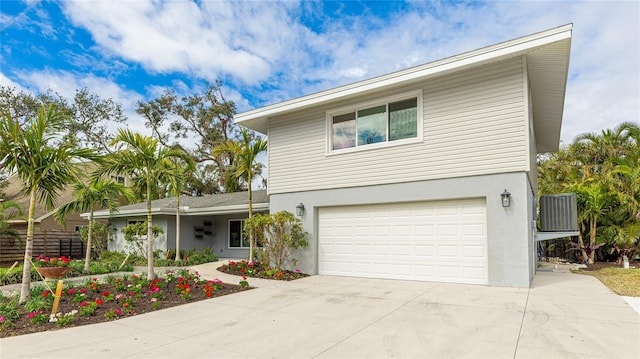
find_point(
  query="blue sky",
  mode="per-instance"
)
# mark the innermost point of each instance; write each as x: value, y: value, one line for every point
x: 266, y: 52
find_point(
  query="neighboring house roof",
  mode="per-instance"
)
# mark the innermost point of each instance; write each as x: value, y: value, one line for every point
x: 223, y: 203
x: 547, y: 64
x: 14, y: 191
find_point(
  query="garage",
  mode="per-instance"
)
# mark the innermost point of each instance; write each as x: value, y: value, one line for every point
x: 442, y: 241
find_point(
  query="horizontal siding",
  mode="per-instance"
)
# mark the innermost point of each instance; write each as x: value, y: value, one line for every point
x: 474, y: 124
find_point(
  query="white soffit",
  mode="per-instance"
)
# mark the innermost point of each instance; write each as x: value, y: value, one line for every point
x: 552, y: 83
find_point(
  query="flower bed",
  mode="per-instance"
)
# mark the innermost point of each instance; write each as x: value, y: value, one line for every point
x: 115, y: 298
x: 259, y: 270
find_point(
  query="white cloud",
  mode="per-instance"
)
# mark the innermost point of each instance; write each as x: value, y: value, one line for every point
x: 264, y: 53
x: 212, y: 40
x: 7, y: 82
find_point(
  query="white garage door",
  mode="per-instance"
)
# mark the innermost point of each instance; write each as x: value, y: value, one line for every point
x: 442, y: 241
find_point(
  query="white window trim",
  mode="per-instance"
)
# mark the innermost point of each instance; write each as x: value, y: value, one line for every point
x: 363, y: 105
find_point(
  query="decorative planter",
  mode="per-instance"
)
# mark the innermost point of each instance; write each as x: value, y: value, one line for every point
x: 53, y: 272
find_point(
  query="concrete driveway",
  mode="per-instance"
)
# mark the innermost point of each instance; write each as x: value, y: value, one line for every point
x: 562, y: 315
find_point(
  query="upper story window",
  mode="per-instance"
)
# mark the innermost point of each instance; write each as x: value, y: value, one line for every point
x: 393, y: 119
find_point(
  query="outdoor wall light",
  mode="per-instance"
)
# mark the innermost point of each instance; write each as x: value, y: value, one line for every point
x: 300, y: 210
x: 506, y: 198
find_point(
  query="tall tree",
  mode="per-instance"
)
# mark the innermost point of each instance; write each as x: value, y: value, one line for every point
x: 98, y: 193
x: 142, y: 157
x: 87, y: 119
x: 43, y: 167
x: 178, y: 169
x: 245, y: 158
x: 206, y: 117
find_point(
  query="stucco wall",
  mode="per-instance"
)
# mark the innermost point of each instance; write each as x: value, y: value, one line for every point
x: 118, y: 243
x: 508, y: 229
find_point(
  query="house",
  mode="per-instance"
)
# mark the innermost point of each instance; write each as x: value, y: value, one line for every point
x: 43, y: 218
x: 428, y: 173
x: 211, y: 221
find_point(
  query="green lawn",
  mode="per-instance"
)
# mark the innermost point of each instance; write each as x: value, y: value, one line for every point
x: 622, y: 281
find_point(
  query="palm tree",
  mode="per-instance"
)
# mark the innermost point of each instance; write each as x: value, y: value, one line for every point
x: 245, y: 152
x: 178, y: 170
x: 142, y: 157
x: 43, y: 167
x: 86, y: 197
x: 8, y: 211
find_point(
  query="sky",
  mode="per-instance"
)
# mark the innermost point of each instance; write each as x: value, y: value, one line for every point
x: 265, y: 52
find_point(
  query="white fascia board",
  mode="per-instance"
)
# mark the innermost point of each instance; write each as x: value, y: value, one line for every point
x: 125, y: 213
x: 512, y: 48
x: 184, y: 212
x: 225, y: 209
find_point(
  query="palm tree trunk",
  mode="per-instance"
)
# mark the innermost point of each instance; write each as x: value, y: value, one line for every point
x: 150, y: 273
x: 585, y: 257
x: 87, y: 255
x: 25, y: 288
x: 592, y: 239
x: 178, y: 226
x: 250, y: 214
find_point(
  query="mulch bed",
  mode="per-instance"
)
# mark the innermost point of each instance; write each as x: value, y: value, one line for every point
x: 286, y: 275
x: 170, y: 299
x: 600, y: 265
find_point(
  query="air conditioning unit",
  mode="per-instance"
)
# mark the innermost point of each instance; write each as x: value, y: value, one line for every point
x: 558, y: 213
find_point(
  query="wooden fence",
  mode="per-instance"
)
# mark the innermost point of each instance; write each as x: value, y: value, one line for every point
x: 46, y: 243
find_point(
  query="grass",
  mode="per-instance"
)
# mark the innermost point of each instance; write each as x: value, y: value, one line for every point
x: 622, y: 281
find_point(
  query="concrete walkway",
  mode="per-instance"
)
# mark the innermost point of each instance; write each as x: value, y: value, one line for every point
x: 562, y: 315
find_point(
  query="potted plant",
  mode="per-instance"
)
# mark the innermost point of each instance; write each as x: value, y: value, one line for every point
x: 52, y: 267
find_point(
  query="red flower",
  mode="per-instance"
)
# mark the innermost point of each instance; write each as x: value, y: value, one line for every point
x: 105, y: 294
x: 71, y: 291
x: 99, y: 301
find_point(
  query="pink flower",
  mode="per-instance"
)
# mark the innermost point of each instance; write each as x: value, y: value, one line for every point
x: 2, y: 319
x: 83, y: 290
x: 297, y: 270
x: 83, y: 304
x: 71, y: 291
x: 156, y: 290
x: 154, y: 300
x: 132, y: 293
x: 32, y: 314
x: 118, y: 312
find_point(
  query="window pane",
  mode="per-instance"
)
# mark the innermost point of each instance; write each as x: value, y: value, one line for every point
x: 344, y: 131
x: 403, y: 119
x: 235, y: 233
x: 372, y: 125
